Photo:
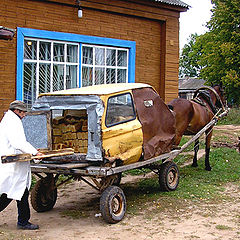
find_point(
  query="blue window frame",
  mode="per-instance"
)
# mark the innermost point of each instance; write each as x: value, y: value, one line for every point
x: 23, y: 33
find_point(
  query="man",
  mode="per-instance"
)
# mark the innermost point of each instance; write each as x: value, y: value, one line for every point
x: 15, y: 178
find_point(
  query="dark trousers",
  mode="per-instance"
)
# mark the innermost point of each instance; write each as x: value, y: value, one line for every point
x: 22, y: 205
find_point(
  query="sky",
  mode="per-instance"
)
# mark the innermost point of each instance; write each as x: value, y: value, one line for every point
x: 194, y: 19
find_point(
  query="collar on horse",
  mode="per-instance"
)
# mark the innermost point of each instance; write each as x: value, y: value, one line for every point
x: 202, y: 98
x: 202, y: 94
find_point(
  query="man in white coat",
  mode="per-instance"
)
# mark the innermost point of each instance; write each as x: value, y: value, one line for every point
x: 15, y: 178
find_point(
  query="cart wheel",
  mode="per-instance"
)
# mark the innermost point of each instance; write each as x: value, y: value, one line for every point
x: 43, y: 197
x: 168, y: 176
x: 113, y: 204
x: 117, y: 180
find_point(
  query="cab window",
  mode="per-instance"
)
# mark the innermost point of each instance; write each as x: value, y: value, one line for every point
x: 120, y: 109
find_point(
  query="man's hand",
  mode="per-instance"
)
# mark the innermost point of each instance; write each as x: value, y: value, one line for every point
x: 39, y: 154
x: 38, y: 160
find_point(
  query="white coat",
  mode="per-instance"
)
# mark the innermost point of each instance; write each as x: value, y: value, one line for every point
x: 14, y: 177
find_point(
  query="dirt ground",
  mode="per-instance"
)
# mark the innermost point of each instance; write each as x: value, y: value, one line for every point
x: 190, y: 221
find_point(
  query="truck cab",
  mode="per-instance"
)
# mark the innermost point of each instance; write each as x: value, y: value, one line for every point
x: 111, y: 123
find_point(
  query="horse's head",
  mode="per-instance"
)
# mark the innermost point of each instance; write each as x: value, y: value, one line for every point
x: 219, y: 101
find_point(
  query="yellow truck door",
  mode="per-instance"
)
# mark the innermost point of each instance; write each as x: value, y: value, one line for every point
x: 122, y: 136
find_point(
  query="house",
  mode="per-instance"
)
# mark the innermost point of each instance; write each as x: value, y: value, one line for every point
x: 61, y: 44
x: 187, y: 87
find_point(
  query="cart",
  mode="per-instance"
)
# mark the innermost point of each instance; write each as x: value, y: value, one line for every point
x: 122, y: 134
x: 106, y: 179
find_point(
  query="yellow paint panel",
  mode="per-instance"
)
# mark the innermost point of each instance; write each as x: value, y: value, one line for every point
x: 123, y: 141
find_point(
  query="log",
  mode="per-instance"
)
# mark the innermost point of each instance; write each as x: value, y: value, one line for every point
x: 28, y: 157
x: 73, y: 158
x: 16, y: 158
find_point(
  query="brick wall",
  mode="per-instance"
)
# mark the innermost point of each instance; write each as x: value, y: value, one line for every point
x: 155, y: 31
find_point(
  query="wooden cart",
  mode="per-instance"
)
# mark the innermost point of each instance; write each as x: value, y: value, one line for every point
x: 104, y: 179
x: 110, y: 130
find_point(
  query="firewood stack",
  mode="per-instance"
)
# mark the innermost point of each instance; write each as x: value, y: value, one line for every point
x: 70, y: 132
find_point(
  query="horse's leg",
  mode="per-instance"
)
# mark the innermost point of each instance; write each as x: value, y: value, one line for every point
x: 207, y: 150
x: 181, y: 126
x: 196, y: 148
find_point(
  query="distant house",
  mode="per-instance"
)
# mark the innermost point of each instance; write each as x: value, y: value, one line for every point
x: 187, y: 87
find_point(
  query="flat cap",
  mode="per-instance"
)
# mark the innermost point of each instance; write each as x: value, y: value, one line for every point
x: 18, y: 105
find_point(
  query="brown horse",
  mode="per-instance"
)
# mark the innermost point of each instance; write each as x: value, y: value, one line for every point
x: 192, y: 115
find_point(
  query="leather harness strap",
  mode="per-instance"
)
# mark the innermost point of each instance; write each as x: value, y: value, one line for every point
x: 207, y: 99
x: 215, y: 93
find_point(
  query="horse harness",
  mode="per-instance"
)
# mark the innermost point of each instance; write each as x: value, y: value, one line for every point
x: 203, y: 94
x: 202, y: 97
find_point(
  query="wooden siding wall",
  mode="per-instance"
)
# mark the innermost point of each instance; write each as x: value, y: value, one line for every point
x: 155, y: 31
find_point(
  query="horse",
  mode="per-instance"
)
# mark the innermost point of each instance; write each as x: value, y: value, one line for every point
x: 192, y: 115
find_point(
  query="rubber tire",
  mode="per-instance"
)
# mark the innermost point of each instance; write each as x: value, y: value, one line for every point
x: 38, y: 196
x: 111, y: 198
x: 168, y: 176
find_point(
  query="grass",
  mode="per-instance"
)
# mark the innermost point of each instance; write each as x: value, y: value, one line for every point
x: 61, y: 178
x: 233, y: 117
x: 223, y: 227
x: 221, y: 138
x: 191, y: 146
x: 136, y: 172
x: 196, y: 184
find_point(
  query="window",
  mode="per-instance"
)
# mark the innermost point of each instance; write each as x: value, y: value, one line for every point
x: 104, y: 65
x: 51, y: 61
x: 120, y: 109
x: 48, y: 66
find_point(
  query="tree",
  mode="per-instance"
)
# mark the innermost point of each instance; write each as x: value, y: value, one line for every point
x: 220, y: 53
x: 189, y: 59
x: 215, y: 55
